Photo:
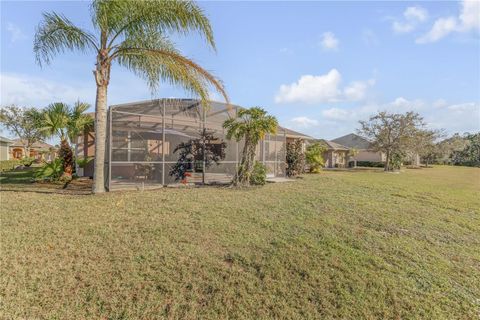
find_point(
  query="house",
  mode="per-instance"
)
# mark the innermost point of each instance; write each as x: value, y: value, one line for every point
x: 336, y: 156
x: 39, y: 150
x: 4, y: 148
x: 363, y: 146
x: 293, y: 136
x: 144, y: 141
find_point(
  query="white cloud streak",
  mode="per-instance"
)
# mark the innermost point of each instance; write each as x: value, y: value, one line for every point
x: 311, y: 89
x: 329, y: 41
x: 15, y: 32
x: 412, y: 17
x: 468, y: 20
x: 33, y: 91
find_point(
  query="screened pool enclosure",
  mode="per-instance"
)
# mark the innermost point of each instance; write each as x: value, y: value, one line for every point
x: 171, y: 141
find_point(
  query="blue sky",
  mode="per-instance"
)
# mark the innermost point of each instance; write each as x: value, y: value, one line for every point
x: 318, y: 66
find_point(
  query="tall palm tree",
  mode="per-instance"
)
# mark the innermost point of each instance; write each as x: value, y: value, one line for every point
x: 251, y: 125
x: 67, y: 123
x: 135, y: 34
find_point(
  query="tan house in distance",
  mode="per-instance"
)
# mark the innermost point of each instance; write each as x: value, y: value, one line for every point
x: 336, y: 155
x: 362, y: 145
x: 39, y: 150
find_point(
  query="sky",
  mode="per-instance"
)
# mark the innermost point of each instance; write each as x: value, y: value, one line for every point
x: 319, y: 67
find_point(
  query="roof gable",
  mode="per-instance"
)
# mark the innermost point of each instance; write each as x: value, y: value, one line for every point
x: 333, y: 145
x: 353, y: 140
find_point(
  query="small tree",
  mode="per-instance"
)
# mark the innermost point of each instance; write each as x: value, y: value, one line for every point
x: 392, y: 134
x: 470, y: 155
x: 59, y: 119
x: 207, y: 150
x: 425, y: 145
x: 314, y: 156
x: 295, y: 158
x: 24, y: 123
x: 251, y: 125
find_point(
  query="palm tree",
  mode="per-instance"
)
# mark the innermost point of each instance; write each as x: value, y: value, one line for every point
x: 251, y: 125
x: 67, y: 123
x: 135, y: 34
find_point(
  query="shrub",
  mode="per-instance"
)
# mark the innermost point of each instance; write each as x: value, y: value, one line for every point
x: 82, y: 162
x: 50, y: 170
x: 314, y: 157
x: 259, y: 174
x: 371, y: 164
x: 7, y: 165
x: 295, y: 158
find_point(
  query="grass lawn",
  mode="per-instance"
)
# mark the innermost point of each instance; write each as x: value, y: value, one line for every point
x: 357, y: 245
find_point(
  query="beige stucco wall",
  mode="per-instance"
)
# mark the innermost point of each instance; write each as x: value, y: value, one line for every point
x: 4, y: 153
x: 365, y: 155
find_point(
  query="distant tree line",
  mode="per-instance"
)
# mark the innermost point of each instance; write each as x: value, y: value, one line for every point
x: 402, y: 137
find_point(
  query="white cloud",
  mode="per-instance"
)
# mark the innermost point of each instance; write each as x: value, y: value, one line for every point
x: 311, y: 89
x: 357, y: 90
x: 470, y: 15
x: 440, y: 103
x: 416, y: 13
x: 323, y: 88
x: 329, y: 41
x: 34, y: 91
x: 335, y: 114
x: 15, y: 32
x: 303, y: 122
x: 412, y: 17
x: 468, y: 20
x: 440, y: 29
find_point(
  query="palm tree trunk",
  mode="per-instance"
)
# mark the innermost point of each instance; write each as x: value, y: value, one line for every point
x: 241, y: 178
x: 100, y: 139
x: 67, y: 159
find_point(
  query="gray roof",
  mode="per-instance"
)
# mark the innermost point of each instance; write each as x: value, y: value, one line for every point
x: 3, y: 139
x: 295, y: 134
x: 333, y: 145
x: 353, y: 140
x: 36, y: 145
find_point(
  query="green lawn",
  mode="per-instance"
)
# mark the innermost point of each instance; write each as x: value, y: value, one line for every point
x: 356, y: 245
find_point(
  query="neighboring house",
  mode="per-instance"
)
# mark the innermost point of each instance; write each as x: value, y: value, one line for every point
x: 293, y: 136
x: 39, y: 150
x: 363, y: 146
x: 336, y: 155
x: 4, y: 148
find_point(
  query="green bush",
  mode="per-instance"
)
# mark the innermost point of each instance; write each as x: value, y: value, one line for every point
x: 7, y: 165
x: 50, y: 170
x: 259, y: 174
x: 371, y: 164
x: 314, y: 157
x: 27, y: 161
x: 82, y: 162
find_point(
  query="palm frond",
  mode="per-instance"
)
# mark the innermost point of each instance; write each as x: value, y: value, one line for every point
x: 153, y: 57
x: 122, y: 18
x: 55, y: 34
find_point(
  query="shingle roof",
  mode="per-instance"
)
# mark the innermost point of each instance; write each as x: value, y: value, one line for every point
x: 296, y: 134
x: 37, y: 145
x: 333, y: 145
x: 3, y: 139
x: 353, y: 141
